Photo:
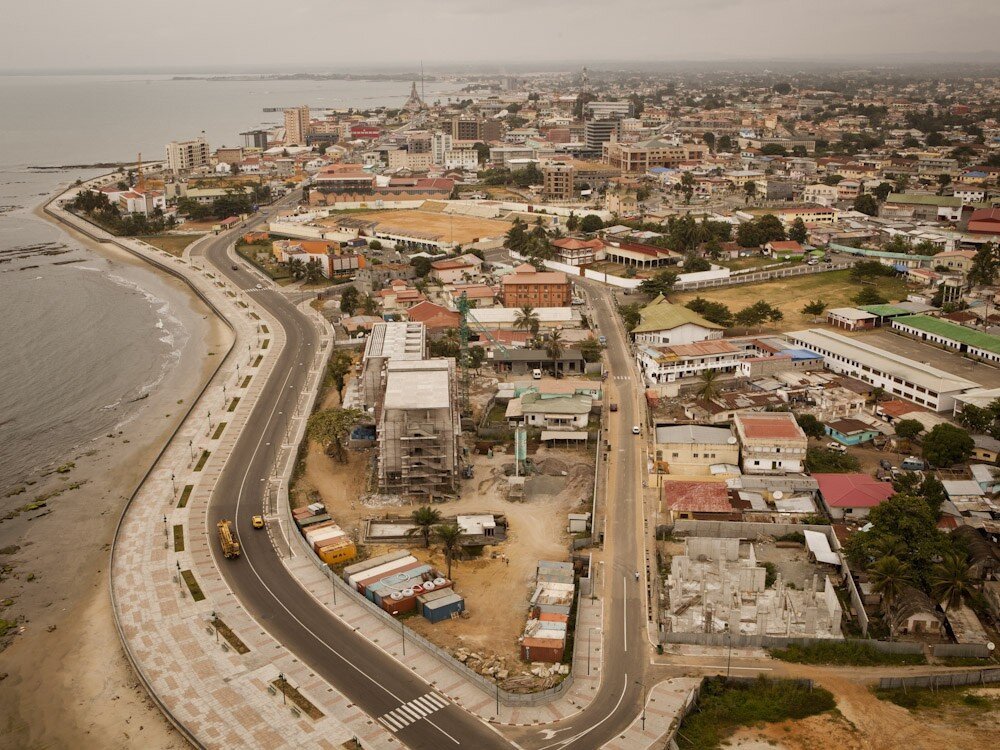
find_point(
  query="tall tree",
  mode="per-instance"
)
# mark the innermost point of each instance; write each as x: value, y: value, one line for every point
x: 890, y: 577
x: 449, y: 535
x: 424, y: 519
x: 526, y: 319
x: 798, y: 231
x: 330, y: 428
x: 660, y: 283
x: 984, y: 267
x: 951, y: 580
x: 708, y: 384
x: 554, y: 349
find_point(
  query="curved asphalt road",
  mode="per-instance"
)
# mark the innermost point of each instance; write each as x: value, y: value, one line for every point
x: 367, y: 676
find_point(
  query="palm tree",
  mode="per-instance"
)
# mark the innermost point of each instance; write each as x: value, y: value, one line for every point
x: 449, y: 535
x: 950, y: 580
x: 296, y: 268
x: 313, y: 273
x: 554, y: 349
x: 526, y: 319
x: 889, y: 577
x: 709, y: 386
x: 424, y: 520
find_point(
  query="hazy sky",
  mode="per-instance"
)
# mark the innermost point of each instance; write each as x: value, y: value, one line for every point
x: 327, y: 34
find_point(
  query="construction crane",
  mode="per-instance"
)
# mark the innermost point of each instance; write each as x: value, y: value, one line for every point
x: 467, y: 322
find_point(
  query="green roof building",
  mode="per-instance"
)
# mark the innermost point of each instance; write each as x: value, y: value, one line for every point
x: 958, y: 338
x: 664, y: 323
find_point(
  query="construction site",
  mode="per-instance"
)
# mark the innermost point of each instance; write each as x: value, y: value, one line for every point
x: 719, y: 586
x: 430, y: 222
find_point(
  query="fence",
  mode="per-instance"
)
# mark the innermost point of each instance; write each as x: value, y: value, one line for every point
x: 946, y: 679
x: 961, y: 650
x: 775, y: 641
x: 759, y: 276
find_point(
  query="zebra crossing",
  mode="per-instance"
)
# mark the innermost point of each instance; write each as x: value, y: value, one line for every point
x: 413, y: 711
x: 623, y: 377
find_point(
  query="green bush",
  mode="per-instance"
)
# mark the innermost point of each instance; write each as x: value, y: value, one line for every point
x: 843, y: 652
x: 724, y: 707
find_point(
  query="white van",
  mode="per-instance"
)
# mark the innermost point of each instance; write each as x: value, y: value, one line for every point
x: 536, y: 374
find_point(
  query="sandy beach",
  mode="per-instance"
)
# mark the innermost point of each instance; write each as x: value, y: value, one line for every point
x: 64, y: 678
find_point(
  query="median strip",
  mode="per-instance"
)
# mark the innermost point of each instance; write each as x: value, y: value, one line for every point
x: 218, y: 430
x: 178, y: 538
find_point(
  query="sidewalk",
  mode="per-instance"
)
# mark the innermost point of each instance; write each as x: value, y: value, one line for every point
x: 216, y: 697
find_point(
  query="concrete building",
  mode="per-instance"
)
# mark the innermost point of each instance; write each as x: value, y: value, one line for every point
x: 917, y: 382
x: 530, y: 287
x: 388, y: 342
x: 665, y: 364
x: 296, y: 126
x: 771, y: 442
x: 576, y: 252
x: 851, y: 495
x: 691, y: 450
x: 951, y: 336
x: 186, y: 156
x: 557, y: 181
x: 419, y: 428
x: 718, y: 586
x: 655, y: 152
x: 551, y: 411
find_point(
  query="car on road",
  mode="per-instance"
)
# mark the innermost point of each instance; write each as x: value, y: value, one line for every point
x: 536, y: 374
x: 236, y: 267
x: 260, y: 286
x: 257, y: 522
x: 602, y: 340
x: 614, y: 407
x: 636, y: 429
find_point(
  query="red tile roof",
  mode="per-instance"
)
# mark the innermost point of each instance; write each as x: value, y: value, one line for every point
x: 698, y: 497
x: 852, y: 490
x: 434, y: 317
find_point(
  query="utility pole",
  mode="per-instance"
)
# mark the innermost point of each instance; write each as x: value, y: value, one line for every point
x: 643, y: 686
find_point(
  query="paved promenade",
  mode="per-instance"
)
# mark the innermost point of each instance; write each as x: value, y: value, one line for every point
x: 210, y: 666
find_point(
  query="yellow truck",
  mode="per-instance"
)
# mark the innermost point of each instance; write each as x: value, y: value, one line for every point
x: 230, y: 545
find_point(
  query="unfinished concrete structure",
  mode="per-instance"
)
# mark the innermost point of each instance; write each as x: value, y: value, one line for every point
x: 388, y: 341
x: 717, y: 585
x: 418, y: 428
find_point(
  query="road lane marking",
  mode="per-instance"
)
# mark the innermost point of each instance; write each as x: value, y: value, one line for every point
x: 413, y: 711
x: 625, y: 612
x: 592, y: 727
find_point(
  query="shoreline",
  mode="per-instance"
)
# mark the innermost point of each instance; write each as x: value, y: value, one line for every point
x: 69, y: 652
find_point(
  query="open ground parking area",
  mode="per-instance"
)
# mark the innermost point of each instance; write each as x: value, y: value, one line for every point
x: 835, y: 288
x: 986, y: 375
x: 436, y: 225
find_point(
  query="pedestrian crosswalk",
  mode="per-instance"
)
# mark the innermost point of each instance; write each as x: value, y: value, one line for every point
x: 413, y: 711
x: 622, y: 377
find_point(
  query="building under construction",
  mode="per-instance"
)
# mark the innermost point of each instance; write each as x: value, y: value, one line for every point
x: 387, y: 342
x: 418, y: 428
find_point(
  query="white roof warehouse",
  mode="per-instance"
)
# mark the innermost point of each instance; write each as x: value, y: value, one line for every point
x: 902, y: 377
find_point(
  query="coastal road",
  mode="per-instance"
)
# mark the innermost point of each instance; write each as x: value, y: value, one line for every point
x: 366, y: 675
x: 372, y: 680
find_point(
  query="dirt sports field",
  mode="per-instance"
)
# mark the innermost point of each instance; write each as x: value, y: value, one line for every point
x: 439, y: 226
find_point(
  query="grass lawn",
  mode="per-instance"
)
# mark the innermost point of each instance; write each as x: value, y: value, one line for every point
x: 754, y: 261
x: 724, y: 708
x: 171, y: 243
x: 843, y: 652
x: 834, y: 287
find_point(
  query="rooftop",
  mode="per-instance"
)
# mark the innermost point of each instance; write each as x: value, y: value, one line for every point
x: 423, y: 384
x: 931, y: 378
x: 769, y: 426
x: 953, y: 331
x: 691, y: 434
x: 660, y: 315
x: 698, y: 497
x: 852, y: 490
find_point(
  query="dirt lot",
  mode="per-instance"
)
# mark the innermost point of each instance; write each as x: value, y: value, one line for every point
x: 450, y: 227
x: 789, y: 295
x: 863, y: 722
x: 497, y: 584
x: 172, y: 243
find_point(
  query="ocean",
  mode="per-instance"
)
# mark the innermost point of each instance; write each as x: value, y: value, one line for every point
x: 83, y: 337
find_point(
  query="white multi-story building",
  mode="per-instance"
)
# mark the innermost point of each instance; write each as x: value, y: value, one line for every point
x: 665, y: 364
x: 896, y: 375
x: 441, y: 144
x: 185, y: 156
x: 770, y: 442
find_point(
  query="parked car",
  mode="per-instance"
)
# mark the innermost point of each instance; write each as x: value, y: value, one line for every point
x: 885, y: 463
x: 912, y: 463
x: 614, y: 407
x: 536, y: 374
x: 836, y: 447
x: 602, y: 340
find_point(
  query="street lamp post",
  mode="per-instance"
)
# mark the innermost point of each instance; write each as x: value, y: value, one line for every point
x: 281, y: 679
x: 496, y: 681
x: 643, y: 686
x: 729, y: 657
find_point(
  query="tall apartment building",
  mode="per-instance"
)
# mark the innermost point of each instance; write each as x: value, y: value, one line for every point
x: 466, y: 128
x: 557, y: 181
x: 184, y: 156
x: 296, y: 126
x: 532, y: 288
x: 418, y: 428
x: 598, y: 132
x: 440, y: 145
x: 608, y: 110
